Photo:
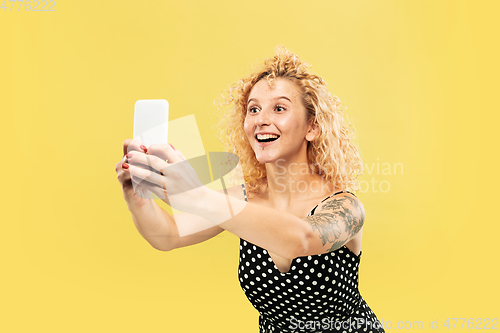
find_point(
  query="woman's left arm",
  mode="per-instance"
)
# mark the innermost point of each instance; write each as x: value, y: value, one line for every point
x: 336, y: 221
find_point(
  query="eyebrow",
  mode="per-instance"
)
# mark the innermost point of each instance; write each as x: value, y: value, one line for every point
x: 276, y: 98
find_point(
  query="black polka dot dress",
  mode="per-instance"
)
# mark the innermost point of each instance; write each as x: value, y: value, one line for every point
x: 318, y: 294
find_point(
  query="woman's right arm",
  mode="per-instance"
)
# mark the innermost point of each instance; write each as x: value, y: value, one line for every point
x: 155, y: 225
x: 159, y: 228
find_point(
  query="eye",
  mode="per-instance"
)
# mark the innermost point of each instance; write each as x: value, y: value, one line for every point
x: 252, y: 109
x: 280, y: 108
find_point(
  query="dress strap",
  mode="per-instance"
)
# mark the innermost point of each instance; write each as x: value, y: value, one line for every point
x: 244, y: 191
x: 338, y: 193
x: 312, y: 211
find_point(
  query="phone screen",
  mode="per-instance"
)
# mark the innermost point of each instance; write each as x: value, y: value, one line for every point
x: 151, y: 121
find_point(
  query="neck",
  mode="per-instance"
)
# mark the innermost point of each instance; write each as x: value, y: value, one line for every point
x: 289, y: 182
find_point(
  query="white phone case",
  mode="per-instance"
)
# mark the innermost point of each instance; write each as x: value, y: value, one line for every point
x: 151, y: 121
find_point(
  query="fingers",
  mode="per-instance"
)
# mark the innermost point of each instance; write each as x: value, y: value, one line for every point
x: 132, y: 188
x: 164, y: 152
x: 120, y: 170
x: 146, y: 170
x: 118, y: 165
x: 144, y: 182
x: 154, y: 163
x: 132, y: 145
x: 122, y: 173
x: 129, y: 145
x: 139, y: 175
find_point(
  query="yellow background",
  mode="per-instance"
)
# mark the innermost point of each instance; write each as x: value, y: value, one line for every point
x: 419, y: 78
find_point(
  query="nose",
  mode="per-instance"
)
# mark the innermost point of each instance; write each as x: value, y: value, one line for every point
x: 263, y: 119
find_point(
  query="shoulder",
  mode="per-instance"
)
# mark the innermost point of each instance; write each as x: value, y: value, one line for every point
x: 344, y: 205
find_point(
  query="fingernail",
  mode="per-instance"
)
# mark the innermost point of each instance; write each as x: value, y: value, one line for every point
x: 125, y: 165
x: 129, y: 155
x: 171, y: 145
x: 143, y: 147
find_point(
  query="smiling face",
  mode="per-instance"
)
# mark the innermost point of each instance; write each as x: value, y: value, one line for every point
x: 276, y: 120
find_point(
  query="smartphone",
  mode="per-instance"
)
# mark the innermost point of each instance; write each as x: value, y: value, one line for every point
x: 151, y: 121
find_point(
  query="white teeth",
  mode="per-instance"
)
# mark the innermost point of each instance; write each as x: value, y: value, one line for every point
x: 266, y: 136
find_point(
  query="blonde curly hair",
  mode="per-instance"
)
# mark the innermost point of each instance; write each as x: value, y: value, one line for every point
x: 331, y: 154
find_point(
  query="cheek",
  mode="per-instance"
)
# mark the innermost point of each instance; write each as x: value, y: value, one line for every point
x: 291, y: 125
x: 247, y: 128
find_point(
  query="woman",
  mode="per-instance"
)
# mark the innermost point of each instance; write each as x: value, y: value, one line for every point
x: 300, y: 227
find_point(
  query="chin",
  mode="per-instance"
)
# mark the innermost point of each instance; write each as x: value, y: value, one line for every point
x: 266, y: 159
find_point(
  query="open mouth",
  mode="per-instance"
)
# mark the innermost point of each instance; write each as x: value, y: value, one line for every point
x: 264, y: 138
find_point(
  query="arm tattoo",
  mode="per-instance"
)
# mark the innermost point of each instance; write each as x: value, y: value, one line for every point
x: 334, y: 211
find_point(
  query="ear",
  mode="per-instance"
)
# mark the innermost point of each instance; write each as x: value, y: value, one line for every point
x: 312, y: 132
